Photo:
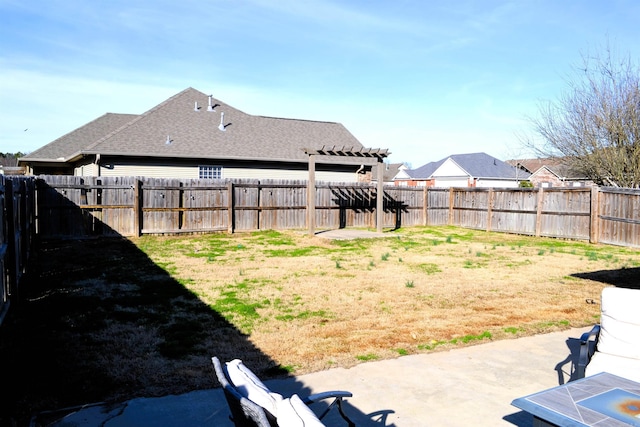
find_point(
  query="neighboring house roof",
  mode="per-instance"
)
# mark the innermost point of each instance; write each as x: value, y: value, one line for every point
x: 390, y: 171
x: 476, y: 165
x: 177, y: 129
x: 554, y: 165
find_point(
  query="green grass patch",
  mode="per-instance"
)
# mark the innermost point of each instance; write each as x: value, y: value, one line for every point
x: 426, y: 268
x: 468, y: 338
x: 302, y: 315
x: 292, y: 253
x: 367, y: 357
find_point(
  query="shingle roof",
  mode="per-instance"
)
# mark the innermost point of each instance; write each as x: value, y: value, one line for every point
x: 390, y: 170
x: 477, y: 165
x: 556, y: 165
x: 195, y: 133
x: 80, y: 138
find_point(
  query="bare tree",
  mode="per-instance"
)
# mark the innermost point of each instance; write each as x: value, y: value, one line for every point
x: 10, y: 159
x: 594, y: 127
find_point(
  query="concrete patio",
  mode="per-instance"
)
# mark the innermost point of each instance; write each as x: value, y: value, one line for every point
x: 467, y: 386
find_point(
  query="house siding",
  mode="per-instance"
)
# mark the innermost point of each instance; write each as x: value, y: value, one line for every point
x: 89, y: 169
x: 228, y: 172
x: 150, y: 171
x: 451, y: 182
x: 497, y: 183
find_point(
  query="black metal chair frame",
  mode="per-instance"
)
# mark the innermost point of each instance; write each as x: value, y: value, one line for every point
x: 244, y: 412
x: 588, y: 343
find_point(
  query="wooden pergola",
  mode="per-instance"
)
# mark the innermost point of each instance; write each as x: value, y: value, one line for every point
x: 377, y: 153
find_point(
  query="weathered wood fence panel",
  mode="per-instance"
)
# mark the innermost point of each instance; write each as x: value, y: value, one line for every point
x: 565, y: 213
x: 513, y: 211
x: 339, y: 205
x: 619, y: 213
x: 4, y: 259
x: 246, y: 197
x: 17, y: 216
x: 470, y: 209
x: 283, y: 205
x: 403, y: 207
x: 437, y: 206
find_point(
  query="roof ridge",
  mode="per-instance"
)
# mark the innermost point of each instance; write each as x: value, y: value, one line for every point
x: 298, y: 120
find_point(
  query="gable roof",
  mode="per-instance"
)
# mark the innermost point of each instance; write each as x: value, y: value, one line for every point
x: 476, y: 165
x: 557, y: 166
x: 182, y: 127
x: 76, y: 140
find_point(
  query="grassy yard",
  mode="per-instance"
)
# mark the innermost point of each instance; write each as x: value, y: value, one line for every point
x: 105, y: 320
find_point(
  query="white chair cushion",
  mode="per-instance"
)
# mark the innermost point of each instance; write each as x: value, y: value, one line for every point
x: 616, y: 365
x: 250, y: 386
x: 293, y: 412
x: 620, y: 323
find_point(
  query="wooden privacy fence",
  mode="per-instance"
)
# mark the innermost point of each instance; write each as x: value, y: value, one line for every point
x: 70, y: 206
x: 78, y: 207
x: 16, y: 235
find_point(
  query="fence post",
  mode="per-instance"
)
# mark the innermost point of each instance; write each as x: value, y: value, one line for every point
x: 594, y: 230
x: 425, y: 206
x: 489, y: 208
x: 137, y: 208
x: 451, y: 205
x: 539, y: 211
x: 230, y: 204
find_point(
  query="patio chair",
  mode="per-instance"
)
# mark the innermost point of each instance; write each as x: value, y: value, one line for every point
x: 244, y: 413
x: 613, y: 345
x: 277, y: 410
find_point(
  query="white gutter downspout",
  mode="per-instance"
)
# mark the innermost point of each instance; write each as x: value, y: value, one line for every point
x: 97, y: 162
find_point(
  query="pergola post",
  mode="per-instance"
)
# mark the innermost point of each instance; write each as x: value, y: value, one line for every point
x: 311, y: 196
x: 380, y: 197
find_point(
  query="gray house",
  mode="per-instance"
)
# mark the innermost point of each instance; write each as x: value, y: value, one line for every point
x: 192, y: 135
x: 463, y: 170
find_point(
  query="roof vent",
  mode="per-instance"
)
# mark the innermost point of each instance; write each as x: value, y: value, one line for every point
x: 169, y: 140
x: 221, y: 126
x: 210, y: 107
x: 195, y: 107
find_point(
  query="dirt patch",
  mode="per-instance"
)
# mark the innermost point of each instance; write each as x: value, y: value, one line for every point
x: 109, y: 320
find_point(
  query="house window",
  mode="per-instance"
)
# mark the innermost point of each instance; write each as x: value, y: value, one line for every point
x: 210, y: 172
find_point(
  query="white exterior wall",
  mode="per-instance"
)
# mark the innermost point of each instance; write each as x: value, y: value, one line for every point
x: 448, y: 169
x: 449, y: 174
x: 451, y: 182
x: 497, y: 183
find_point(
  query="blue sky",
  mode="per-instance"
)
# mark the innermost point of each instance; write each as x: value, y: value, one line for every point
x: 424, y: 79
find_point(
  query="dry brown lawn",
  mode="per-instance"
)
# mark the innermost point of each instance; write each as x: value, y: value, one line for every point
x: 108, y: 320
x: 312, y: 303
